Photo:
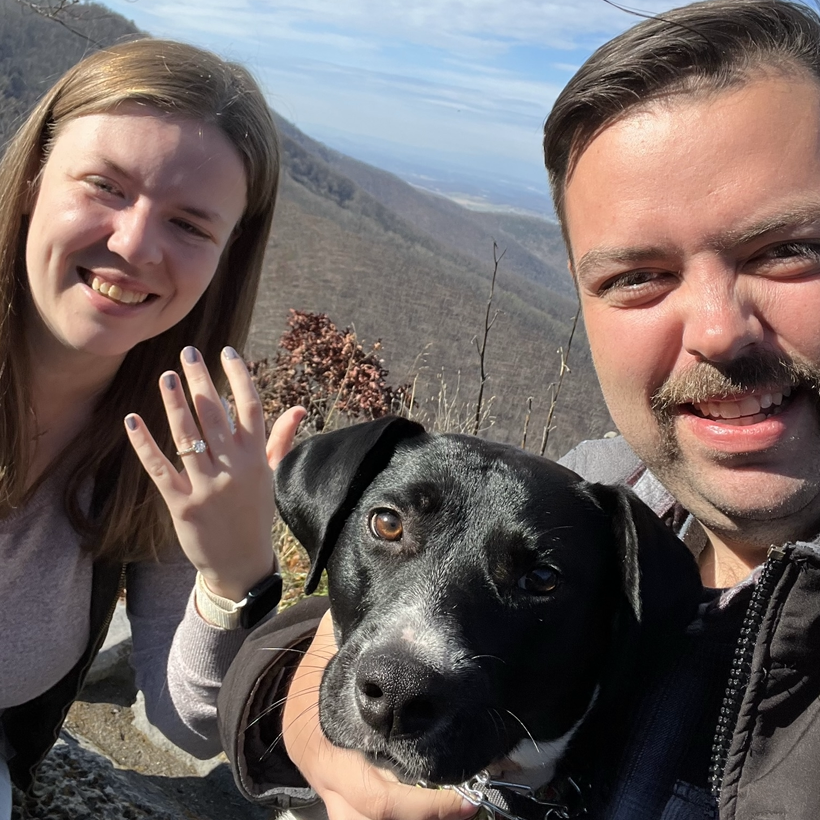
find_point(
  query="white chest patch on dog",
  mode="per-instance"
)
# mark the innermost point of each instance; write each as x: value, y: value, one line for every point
x: 533, y: 762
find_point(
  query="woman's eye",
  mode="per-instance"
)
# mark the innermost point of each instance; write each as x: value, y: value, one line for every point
x: 386, y: 524
x: 539, y: 581
x: 193, y: 230
x: 103, y: 184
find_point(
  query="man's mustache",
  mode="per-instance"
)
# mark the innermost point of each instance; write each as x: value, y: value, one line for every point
x: 759, y: 372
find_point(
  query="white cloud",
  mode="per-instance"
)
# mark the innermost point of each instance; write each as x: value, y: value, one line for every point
x: 470, y: 26
x: 459, y: 78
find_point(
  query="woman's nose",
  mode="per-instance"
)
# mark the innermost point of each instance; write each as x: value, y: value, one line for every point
x: 135, y: 235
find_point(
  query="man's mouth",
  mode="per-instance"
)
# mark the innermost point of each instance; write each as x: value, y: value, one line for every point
x: 116, y: 293
x: 744, y: 410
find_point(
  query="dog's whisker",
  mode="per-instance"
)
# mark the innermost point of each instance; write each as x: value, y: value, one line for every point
x: 274, y: 705
x: 281, y: 649
x: 271, y: 747
x: 311, y: 707
x: 498, y: 723
x: 265, y: 712
x: 492, y: 657
x: 523, y: 726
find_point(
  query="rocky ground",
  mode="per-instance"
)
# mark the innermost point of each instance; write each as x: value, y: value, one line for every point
x: 103, y: 767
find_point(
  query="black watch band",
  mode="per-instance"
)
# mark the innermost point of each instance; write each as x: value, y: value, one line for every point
x: 260, y: 600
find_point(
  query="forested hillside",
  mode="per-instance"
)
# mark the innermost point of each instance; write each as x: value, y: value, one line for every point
x: 34, y: 51
x: 397, y: 263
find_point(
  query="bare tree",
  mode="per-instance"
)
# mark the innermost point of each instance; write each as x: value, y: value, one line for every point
x: 481, y: 347
x: 59, y: 11
x: 555, y: 387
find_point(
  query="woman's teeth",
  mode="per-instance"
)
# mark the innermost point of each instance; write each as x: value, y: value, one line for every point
x: 748, y: 410
x: 116, y: 293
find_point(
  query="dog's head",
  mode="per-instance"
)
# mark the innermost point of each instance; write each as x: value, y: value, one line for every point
x: 480, y: 593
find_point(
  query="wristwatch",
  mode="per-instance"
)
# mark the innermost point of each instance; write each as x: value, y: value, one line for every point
x: 260, y: 600
x: 228, y: 614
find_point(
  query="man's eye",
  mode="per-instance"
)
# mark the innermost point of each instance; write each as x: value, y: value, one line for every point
x: 636, y: 288
x: 790, y: 250
x: 632, y: 279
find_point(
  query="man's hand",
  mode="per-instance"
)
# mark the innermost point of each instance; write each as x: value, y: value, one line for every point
x: 351, y: 788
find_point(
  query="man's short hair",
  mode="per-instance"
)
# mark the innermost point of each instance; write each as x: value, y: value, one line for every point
x: 700, y: 48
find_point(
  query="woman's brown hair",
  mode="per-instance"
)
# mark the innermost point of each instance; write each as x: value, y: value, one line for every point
x: 181, y: 81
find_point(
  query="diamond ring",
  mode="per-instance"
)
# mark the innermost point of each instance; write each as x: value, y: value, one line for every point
x: 199, y: 446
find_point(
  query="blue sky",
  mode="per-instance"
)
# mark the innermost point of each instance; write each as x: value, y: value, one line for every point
x: 464, y: 84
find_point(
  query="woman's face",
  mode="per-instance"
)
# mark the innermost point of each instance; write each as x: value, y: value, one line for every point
x: 132, y: 214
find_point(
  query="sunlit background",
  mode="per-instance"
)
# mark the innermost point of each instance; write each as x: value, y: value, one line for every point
x: 449, y: 94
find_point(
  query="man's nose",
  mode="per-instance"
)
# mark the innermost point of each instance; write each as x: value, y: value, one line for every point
x: 719, y: 323
x: 135, y: 235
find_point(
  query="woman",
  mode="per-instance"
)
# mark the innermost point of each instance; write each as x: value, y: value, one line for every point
x: 137, y: 201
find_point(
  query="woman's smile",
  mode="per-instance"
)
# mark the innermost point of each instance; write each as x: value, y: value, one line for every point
x: 120, y: 247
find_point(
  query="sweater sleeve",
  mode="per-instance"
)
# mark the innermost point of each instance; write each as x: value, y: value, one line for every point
x: 608, y: 461
x: 251, y: 705
x: 179, y: 659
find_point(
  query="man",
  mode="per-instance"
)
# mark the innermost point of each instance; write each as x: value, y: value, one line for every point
x: 684, y: 159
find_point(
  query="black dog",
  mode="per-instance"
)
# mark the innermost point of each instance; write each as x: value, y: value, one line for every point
x: 484, y: 598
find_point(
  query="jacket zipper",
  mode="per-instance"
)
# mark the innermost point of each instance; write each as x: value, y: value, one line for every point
x: 742, y: 665
x: 97, y: 644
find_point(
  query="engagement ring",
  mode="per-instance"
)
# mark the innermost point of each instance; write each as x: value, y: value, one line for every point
x: 199, y: 446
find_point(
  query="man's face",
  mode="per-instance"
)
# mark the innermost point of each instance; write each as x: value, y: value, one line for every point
x: 695, y: 232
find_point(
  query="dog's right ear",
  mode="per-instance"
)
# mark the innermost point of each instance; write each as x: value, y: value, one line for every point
x: 321, y: 480
x: 660, y: 576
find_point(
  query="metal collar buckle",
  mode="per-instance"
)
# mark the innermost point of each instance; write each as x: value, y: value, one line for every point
x: 542, y: 804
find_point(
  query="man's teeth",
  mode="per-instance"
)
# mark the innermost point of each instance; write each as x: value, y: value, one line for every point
x: 742, y: 408
x: 116, y: 293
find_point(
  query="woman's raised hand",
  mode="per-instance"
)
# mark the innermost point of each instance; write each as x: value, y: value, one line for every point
x: 221, y: 502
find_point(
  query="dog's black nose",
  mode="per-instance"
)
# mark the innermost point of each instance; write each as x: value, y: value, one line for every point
x: 398, y: 696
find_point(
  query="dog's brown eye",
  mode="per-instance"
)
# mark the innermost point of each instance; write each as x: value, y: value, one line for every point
x: 386, y: 524
x: 539, y: 581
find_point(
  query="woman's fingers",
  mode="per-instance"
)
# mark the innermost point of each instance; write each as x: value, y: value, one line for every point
x: 184, y: 429
x: 222, y: 503
x: 281, y: 436
x: 212, y: 423
x: 250, y: 419
x: 166, y: 477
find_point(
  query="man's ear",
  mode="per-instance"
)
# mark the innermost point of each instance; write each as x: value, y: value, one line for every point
x: 320, y: 481
x: 659, y: 574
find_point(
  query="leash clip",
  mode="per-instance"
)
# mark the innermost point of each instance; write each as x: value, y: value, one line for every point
x: 481, y: 788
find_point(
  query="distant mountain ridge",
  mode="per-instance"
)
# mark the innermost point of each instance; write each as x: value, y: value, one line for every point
x: 467, y: 231
x: 396, y: 262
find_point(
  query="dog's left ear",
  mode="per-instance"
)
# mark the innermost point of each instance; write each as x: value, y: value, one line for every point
x: 321, y: 480
x: 660, y: 577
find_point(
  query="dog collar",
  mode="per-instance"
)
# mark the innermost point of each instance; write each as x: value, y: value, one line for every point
x: 561, y: 800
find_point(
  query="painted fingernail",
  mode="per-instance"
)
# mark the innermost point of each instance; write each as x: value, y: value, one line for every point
x: 190, y: 354
x: 131, y: 422
x: 170, y: 380
x: 230, y: 353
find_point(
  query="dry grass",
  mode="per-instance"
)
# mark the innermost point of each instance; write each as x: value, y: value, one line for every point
x: 294, y: 565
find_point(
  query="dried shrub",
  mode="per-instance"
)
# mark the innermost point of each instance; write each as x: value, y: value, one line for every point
x: 331, y: 374
x: 328, y: 372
